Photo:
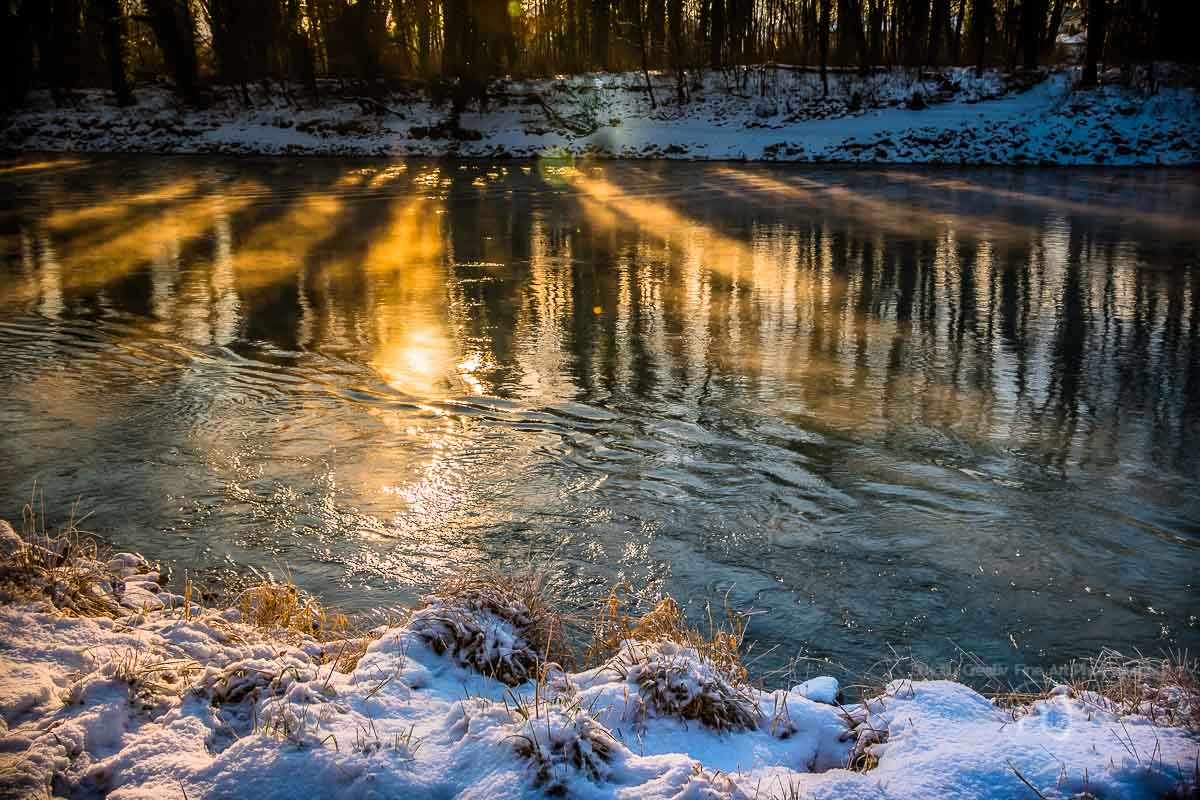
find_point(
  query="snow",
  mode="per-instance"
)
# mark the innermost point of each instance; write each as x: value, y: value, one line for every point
x: 821, y: 690
x: 763, y: 113
x: 10, y: 542
x: 156, y: 704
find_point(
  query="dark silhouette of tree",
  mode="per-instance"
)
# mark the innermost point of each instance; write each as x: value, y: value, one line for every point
x: 1096, y: 22
x: 941, y: 34
x: 823, y: 44
x: 18, y: 23
x: 175, y: 31
x: 461, y: 46
x: 601, y: 10
x: 110, y: 20
x: 982, y: 21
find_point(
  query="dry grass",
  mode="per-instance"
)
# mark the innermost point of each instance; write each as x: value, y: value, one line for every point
x: 280, y: 606
x: 1164, y: 689
x: 281, y: 609
x: 296, y: 725
x: 62, y: 565
x: 707, y: 784
x: 153, y: 680
x: 722, y: 647
x: 680, y: 671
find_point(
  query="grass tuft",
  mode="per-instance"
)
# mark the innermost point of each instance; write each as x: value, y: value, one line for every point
x: 276, y: 606
x: 62, y: 566
x: 1165, y: 690
x: 678, y: 670
x: 722, y: 647
x: 559, y: 738
x: 707, y: 784
x: 507, y: 626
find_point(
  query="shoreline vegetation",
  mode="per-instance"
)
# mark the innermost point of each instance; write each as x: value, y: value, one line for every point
x: 111, y: 685
x: 763, y: 112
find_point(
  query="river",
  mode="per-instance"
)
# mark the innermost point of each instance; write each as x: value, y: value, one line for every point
x: 927, y: 410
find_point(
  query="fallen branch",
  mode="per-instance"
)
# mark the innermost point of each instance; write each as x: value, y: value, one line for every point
x: 369, y: 103
x: 558, y: 119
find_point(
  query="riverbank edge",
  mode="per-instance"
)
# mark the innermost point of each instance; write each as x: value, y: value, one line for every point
x: 110, y: 684
x: 948, y: 116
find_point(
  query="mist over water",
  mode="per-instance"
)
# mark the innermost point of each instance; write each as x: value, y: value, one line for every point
x: 926, y: 408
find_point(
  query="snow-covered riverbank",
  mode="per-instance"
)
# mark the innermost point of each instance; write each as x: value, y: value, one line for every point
x: 774, y: 113
x: 139, y: 693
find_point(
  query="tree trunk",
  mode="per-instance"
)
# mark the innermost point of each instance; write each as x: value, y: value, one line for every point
x: 657, y: 23
x: 982, y: 20
x: 675, y: 33
x: 175, y: 32
x: 958, y: 28
x: 939, y: 33
x: 875, y: 24
x: 112, y: 30
x: 851, y: 45
x: 423, y: 15
x: 641, y: 32
x: 1030, y: 28
x: 717, y: 35
x: 17, y: 36
x: 1096, y: 22
x: 823, y: 45
x: 600, y: 26
x: 1050, y: 39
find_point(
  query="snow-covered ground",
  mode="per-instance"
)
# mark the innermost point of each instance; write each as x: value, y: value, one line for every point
x: 168, y: 700
x: 772, y: 113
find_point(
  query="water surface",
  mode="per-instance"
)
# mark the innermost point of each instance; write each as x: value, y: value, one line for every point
x: 925, y: 409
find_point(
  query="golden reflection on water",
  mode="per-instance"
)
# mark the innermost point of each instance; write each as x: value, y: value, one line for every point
x: 871, y: 209
x: 896, y: 313
x: 94, y: 257
x: 63, y: 218
x: 1171, y: 222
x: 51, y: 165
x: 412, y: 347
x: 273, y: 250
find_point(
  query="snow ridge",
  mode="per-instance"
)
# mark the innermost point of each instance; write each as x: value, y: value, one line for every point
x: 154, y: 704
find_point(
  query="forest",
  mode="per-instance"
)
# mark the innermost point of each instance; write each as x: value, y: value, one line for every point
x: 456, y: 47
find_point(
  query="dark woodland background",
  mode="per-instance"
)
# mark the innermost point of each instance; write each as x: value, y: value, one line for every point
x: 457, y: 46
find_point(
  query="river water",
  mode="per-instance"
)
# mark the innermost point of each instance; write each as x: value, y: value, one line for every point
x: 920, y: 409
